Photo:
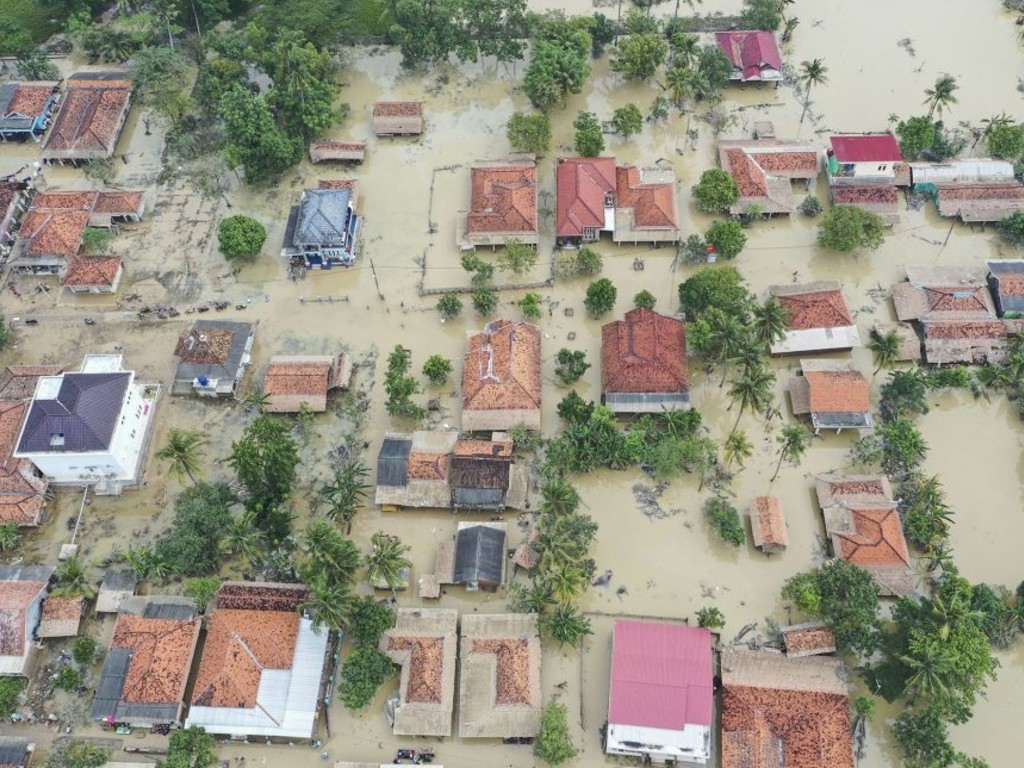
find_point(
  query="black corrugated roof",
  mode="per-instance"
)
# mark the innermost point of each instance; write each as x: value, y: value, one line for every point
x: 479, y: 555
x: 82, y: 416
x: 119, y: 580
x: 111, y: 683
x: 482, y: 498
x: 13, y: 751
x: 393, y: 462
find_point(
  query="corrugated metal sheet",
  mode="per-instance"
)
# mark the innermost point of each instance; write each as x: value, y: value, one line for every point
x: 14, y: 751
x: 111, y: 683
x: 479, y: 555
x: 961, y: 171
x: 393, y: 462
x: 483, y: 498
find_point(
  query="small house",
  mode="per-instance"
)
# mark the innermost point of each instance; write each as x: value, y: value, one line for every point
x: 147, y: 665
x: 480, y: 556
x: 502, y: 205
x: 337, y: 151
x: 661, y: 694
x: 1006, y: 282
x: 645, y: 205
x: 499, y: 676
x: 867, y: 157
x: 584, y: 198
x: 880, y: 199
x: 812, y: 638
x: 817, y: 319
x: 61, y: 616
x: 293, y: 382
x: 783, y: 711
x: 22, y: 486
x: 26, y: 109
x: 754, y: 55
x: 423, y: 643
x: 764, y: 171
x: 90, y: 117
x: 980, y: 170
x: 93, y: 274
x: 863, y: 525
x: 13, y: 203
x: 212, y: 358
x: 412, y: 470
x: 973, y: 190
x: 768, y: 525
x: 323, y: 228
x: 16, y: 752
x: 117, y: 586
x: 834, y: 394
x: 398, y: 118
x: 481, y: 473
x: 501, y: 384
x: 643, y: 363
x: 22, y: 591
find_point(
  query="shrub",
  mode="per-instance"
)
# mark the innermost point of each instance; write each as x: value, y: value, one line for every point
x: 847, y: 228
x: 601, y: 296
x: 589, y: 136
x: 96, y: 240
x: 517, y: 257
x: 363, y: 672
x: 811, y: 206
x: 727, y: 237
x: 83, y: 650
x: 68, y: 679
x: 437, y: 369
x: 10, y: 690
x: 725, y: 521
x: 370, y: 620
x: 530, y: 306
x: 628, y: 120
x: 554, y: 744
x: 644, y: 300
x: 585, y: 261
x: 1006, y: 141
x: 449, y: 305
x: 400, y: 387
x: 1012, y: 228
x: 716, y: 191
x: 710, y: 617
x: 485, y: 301
x: 570, y: 365
x: 529, y: 133
x: 240, y: 237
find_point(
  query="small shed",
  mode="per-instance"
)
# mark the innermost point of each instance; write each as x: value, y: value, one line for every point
x: 768, y: 525
x: 15, y: 752
x: 61, y: 616
x: 398, y: 118
x: 342, y: 151
x: 812, y: 638
x: 480, y: 556
x: 118, y: 585
x: 1006, y: 281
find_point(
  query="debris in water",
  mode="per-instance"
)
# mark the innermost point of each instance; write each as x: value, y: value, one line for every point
x: 647, y: 500
x: 602, y: 580
x: 621, y: 592
x: 908, y: 45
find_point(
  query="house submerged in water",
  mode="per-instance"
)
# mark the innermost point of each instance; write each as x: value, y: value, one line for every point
x: 323, y: 228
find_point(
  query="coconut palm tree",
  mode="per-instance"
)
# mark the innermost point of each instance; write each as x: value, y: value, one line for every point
x: 386, y: 561
x: 813, y: 72
x: 566, y: 625
x: 244, y: 538
x: 752, y: 391
x: 931, y: 665
x: 72, y: 580
x: 941, y: 95
x: 327, y: 554
x: 330, y: 605
x: 737, y: 448
x: 793, y: 444
x: 566, y: 582
x: 770, y: 322
x: 885, y: 347
x: 726, y: 338
x: 789, y: 27
x: 684, y: 50
x: 346, y: 493
x: 559, y: 497
x: 679, y: 83
x: 256, y: 398
x: 183, y: 452
x: 10, y: 535
x: 989, y: 124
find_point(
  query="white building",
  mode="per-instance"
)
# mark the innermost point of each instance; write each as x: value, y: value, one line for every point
x: 88, y: 427
x: 22, y: 590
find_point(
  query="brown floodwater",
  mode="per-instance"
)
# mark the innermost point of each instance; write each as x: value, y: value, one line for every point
x: 664, y: 564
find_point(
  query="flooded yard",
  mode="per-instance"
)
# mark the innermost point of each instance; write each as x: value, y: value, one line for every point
x: 663, y: 560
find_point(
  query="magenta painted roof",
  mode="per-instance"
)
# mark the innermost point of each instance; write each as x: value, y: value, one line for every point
x: 750, y: 52
x: 661, y: 676
x: 876, y: 147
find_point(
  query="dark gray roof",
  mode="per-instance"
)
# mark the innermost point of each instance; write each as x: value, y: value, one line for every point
x: 479, y: 555
x: 100, y: 74
x: 14, y: 751
x: 321, y: 219
x: 1006, y: 266
x: 26, y: 572
x: 9, y: 122
x: 160, y: 607
x: 232, y: 363
x: 482, y: 498
x: 836, y: 420
x: 110, y: 688
x: 119, y: 580
x: 81, y: 418
x: 393, y: 462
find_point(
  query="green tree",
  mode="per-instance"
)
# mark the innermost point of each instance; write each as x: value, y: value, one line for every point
x: 885, y: 347
x: 437, y: 369
x: 848, y: 228
x: 400, y: 386
x: 68, y: 679
x: 304, y: 85
x: 589, y: 135
x: 710, y: 617
x: 264, y: 459
x: 254, y: 141
x: 83, y: 650
x: 752, y: 391
x: 719, y: 287
x: 679, y: 81
x: 530, y: 305
x: 813, y: 72
x: 559, y: 497
x: 803, y: 590
x: 916, y: 135
x: 183, y: 453
x: 761, y: 14
x: 96, y: 240
x: 769, y: 323
x: 737, y: 448
x: 482, y: 272
x: 716, y: 191
x: 904, y: 393
x: 518, y: 257
x: 15, y: 40
x: 644, y: 300
x: 628, y: 120
x: 941, y: 95
x: 1006, y: 141
x: 793, y: 442
x: 557, y: 69
x: 485, y: 301
x: 566, y: 625
x: 191, y: 747
x: 386, y: 561
x: 72, y: 580
x: 36, y: 65
x: 849, y: 605
x: 570, y: 365
x: 240, y: 237
x: 713, y: 72
x: 725, y: 521
x: 638, y: 56
x: 162, y: 80
x: 810, y: 206
x: 1012, y: 228
x: 327, y: 557
x: 362, y: 674
x: 331, y: 605
x: 76, y: 754
x: 449, y: 305
x: 243, y: 538
x: 201, y: 515
x: 10, y: 690
x: 529, y: 133
x: 601, y: 296
x: 369, y: 621
x: 922, y: 738
x: 202, y: 591
x: 554, y: 744
x: 10, y: 536
x: 727, y: 237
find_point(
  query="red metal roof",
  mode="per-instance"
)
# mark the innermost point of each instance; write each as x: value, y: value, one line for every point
x: 750, y: 52
x: 661, y: 676
x: 870, y: 148
x: 582, y: 183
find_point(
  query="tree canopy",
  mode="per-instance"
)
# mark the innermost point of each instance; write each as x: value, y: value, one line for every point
x: 265, y: 458
x: 529, y: 132
x: 240, y: 237
x: 719, y: 286
x: 201, y: 515
x: 557, y: 68
x: 716, y: 191
x: 848, y: 228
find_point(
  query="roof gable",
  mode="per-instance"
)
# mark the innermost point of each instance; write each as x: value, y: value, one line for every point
x: 503, y: 199
x: 15, y: 598
x: 501, y: 370
x: 644, y: 352
x: 322, y: 217
x: 815, y: 309
x: 582, y: 185
x: 653, y: 205
x: 750, y: 52
x: 161, y: 657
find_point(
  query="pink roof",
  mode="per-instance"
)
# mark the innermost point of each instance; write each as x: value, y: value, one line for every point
x: 750, y: 52
x: 875, y: 147
x: 661, y: 676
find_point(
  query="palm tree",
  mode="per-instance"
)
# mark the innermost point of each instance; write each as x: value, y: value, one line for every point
x: 932, y: 665
x: 184, y: 452
x: 257, y: 399
x: 327, y: 554
x: 72, y: 580
x: 793, y: 444
x: 737, y: 448
x: 941, y: 95
x: 386, y: 561
x: 330, y: 605
x: 990, y: 124
x: 788, y: 28
x: 753, y: 392
x: 885, y: 347
x: 684, y: 50
x: 726, y: 338
x: 244, y: 538
x: 770, y: 322
x: 813, y: 72
x: 346, y: 493
x: 566, y: 582
x: 10, y: 535
x: 559, y: 497
x: 679, y: 83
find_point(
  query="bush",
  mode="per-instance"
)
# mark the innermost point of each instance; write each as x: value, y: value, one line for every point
x: 437, y: 369
x: 363, y: 672
x: 916, y: 135
x: 68, y: 679
x: 201, y: 515
x: 811, y: 206
x: 762, y: 14
x: 716, y: 191
x: 96, y: 240
x: 644, y: 300
x: 530, y: 306
x: 1006, y: 141
x: 725, y: 521
x: 589, y: 136
x: 719, y: 287
x: 83, y: 650
x: 485, y: 301
x: 201, y: 590
x: 585, y: 261
x: 369, y: 621
x: 529, y: 133
x: 554, y: 744
x: 240, y: 237
x: 601, y: 296
x: 727, y: 237
x: 1012, y: 228
x: 10, y: 690
x: 847, y: 228
x: 710, y: 617
x: 481, y: 272
x: 517, y: 257
x: 570, y: 365
x: 400, y: 387
x: 449, y: 305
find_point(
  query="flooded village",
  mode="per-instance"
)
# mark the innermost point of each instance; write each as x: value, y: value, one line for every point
x: 776, y: 524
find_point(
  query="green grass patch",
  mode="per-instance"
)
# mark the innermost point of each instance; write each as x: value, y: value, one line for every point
x: 38, y: 21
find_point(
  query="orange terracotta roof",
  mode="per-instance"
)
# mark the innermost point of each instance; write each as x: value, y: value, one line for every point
x: 118, y: 203
x: 15, y: 598
x: 789, y: 162
x: 65, y: 200
x: 54, y: 232
x: 239, y: 646
x: 89, y: 119
x: 162, y: 652
x: 502, y: 368
x: 644, y: 352
x: 18, y: 382
x: 581, y: 187
x: 22, y: 490
x: 29, y: 99
x: 768, y: 522
x: 877, y: 539
x: 861, y: 488
x: 749, y: 176
x: 485, y: 448
x: 92, y: 270
x: 398, y: 109
x: 956, y: 299
x: 1011, y: 285
x: 809, y: 640
x: 838, y: 392
x: 62, y: 608
x: 512, y: 669
x: 503, y: 199
x: 349, y: 184
x: 654, y: 205
x: 428, y: 466
x: 426, y: 667
x: 965, y: 329
x: 816, y: 309
x: 297, y: 378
